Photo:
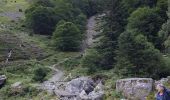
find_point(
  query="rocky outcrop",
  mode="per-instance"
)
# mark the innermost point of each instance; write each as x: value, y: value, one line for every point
x: 2, y: 80
x: 135, y: 88
x: 96, y: 94
x: 83, y: 88
x: 76, y: 86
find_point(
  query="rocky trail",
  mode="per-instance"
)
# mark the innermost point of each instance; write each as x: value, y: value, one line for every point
x: 90, y: 33
x: 55, y: 81
x: 70, y: 90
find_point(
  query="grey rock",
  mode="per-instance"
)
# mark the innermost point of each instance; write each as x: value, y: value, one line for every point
x: 76, y: 86
x: 96, y: 95
x: 135, y: 88
x: 49, y: 86
x: 2, y: 80
x: 83, y: 95
x: 82, y: 88
x: 98, y: 92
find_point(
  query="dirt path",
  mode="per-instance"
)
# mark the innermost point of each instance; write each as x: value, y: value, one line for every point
x: 57, y: 79
x: 58, y: 75
x: 90, y: 33
x: 54, y: 82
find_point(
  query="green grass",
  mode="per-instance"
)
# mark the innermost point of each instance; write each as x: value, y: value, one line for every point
x: 23, y: 72
x: 4, y: 19
x: 13, y: 6
x: 23, y: 69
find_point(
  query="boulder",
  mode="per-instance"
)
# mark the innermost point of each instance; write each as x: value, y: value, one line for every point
x: 76, y: 86
x: 2, y: 80
x: 98, y: 92
x: 135, y: 88
x: 83, y: 88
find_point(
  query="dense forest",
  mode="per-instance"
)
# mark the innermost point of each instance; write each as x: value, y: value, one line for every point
x: 135, y: 33
x: 134, y: 39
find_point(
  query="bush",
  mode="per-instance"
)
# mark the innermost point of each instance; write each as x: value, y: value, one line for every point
x: 41, y: 20
x: 40, y: 74
x: 67, y: 37
x: 137, y: 53
x: 91, y: 60
x: 148, y: 22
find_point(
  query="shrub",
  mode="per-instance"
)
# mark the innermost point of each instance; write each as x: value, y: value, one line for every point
x: 40, y: 74
x: 67, y: 37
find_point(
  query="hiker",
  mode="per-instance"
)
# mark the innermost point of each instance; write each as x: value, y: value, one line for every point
x: 163, y: 93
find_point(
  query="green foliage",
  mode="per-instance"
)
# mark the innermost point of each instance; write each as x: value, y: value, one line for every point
x: 115, y: 24
x: 107, y: 45
x: 91, y: 60
x: 117, y: 95
x: 27, y: 91
x: 162, y: 6
x: 139, y: 54
x: 164, y: 36
x: 148, y: 22
x: 151, y: 96
x: 71, y: 63
x: 40, y: 74
x: 67, y: 37
x: 41, y: 19
x: 43, y: 15
x: 44, y: 3
x: 164, y: 32
x: 66, y: 11
x: 132, y: 5
x: 88, y: 7
x: 166, y: 69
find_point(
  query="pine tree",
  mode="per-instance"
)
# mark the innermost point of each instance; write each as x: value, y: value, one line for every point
x: 140, y: 58
x: 107, y: 45
x: 146, y: 21
x: 164, y: 34
x: 67, y: 37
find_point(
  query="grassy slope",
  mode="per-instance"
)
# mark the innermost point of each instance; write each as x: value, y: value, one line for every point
x: 22, y: 70
x: 35, y: 52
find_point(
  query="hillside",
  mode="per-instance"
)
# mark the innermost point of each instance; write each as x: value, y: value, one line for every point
x: 83, y: 50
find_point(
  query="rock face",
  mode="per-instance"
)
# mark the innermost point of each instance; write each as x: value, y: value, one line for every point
x: 135, y: 88
x: 82, y: 88
x: 2, y: 80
